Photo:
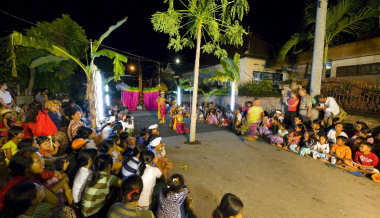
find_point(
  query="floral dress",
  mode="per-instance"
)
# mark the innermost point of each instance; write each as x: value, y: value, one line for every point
x: 173, y: 205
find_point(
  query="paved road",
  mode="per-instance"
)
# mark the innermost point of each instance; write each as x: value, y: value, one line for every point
x: 145, y: 118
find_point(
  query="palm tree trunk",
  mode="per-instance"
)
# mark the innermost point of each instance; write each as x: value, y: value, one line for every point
x: 193, y: 124
x: 28, y: 91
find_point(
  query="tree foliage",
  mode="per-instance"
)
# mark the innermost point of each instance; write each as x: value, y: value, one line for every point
x: 220, y: 21
x: 346, y: 17
x: 231, y: 71
x: 62, y: 31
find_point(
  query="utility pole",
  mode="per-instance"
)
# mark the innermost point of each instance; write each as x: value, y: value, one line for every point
x: 319, y: 48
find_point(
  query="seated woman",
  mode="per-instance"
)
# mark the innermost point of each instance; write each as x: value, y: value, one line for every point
x: 131, y: 189
x: 230, y: 206
x: 26, y: 200
x: 75, y: 123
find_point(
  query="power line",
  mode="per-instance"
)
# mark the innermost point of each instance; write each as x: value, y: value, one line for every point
x: 138, y: 57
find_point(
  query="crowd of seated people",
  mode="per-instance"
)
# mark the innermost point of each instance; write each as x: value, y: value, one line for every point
x: 53, y: 164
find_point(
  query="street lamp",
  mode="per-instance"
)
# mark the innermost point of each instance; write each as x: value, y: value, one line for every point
x: 177, y: 61
x: 132, y: 68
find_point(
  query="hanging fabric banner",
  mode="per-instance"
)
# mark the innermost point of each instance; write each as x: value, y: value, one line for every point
x: 150, y: 97
x: 131, y: 98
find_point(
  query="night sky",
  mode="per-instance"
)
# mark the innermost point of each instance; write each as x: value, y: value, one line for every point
x: 274, y: 20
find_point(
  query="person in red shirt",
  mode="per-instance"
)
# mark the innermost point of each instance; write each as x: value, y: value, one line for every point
x: 365, y: 159
x: 292, y: 104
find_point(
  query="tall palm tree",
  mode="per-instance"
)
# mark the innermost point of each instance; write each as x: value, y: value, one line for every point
x: 216, y: 22
x: 18, y: 39
x: 345, y: 17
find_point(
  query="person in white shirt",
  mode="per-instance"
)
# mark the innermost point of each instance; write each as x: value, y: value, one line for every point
x: 149, y: 176
x: 329, y: 106
x: 335, y: 132
x: 5, y: 96
x: 84, y: 174
x: 321, y: 149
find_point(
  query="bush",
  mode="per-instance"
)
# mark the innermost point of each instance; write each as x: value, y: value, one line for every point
x: 259, y: 89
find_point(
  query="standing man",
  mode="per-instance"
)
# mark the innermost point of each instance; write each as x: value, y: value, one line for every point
x: 5, y: 97
x: 254, y: 116
x: 306, y: 110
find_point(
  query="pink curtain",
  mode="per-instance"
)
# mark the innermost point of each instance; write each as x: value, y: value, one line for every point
x: 130, y: 99
x: 150, y: 100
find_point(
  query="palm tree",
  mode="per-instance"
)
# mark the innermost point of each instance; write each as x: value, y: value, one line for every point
x: 18, y: 39
x: 217, y: 21
x: 345, y: 17
x: 231, y: 74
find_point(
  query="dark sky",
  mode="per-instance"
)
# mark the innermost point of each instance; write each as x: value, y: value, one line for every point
x: 274, y: 20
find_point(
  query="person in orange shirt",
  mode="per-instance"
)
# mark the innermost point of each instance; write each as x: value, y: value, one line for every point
x: 341, y: 151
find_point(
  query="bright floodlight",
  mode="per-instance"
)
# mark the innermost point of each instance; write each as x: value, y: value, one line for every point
x: 99, y: 105
x: 106, y: 88
x: 108, y: 101
x: 232, y: 96
x: 178, y: 95
x: 177, y: 61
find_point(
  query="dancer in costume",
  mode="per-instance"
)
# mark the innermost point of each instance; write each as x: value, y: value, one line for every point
x: 180, y: 126
x: 173, y: 107
x: 161, y: 108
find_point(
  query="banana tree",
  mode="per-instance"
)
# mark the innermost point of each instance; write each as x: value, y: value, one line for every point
x: 18, y: 39
x: 208, y: 94
x: 230, y: 74
x: 40, y: 62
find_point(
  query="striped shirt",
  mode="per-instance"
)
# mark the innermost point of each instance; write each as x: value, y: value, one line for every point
x: 95, y: 196
x: 130, y: 168
x: 120, y: 210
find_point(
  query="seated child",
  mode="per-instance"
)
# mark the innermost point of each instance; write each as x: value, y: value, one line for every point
x: 160, y: 155
x: 307, y: 143
x: 211, y: 118
x: 47, y: 148
x: 16, y: 134
x: 365, y: 159
x: 294, y: 138
x: 321, y: 149
x: 278, y: 139
x: 359, y: 126
x: 341, y: 151
x: 238, y: 121
x: 264, y: 127
x: 317, y: 129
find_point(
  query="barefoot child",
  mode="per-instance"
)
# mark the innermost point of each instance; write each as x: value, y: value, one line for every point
x: 341, y: 151
x: 365, y: 159
x: 294, y: 138
x: 278, y: 139
x: 321, y: 149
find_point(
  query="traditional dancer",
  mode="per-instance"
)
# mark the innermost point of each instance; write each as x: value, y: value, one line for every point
x: 179, y: 121
x: 173, y: 108
x: 161, y: 108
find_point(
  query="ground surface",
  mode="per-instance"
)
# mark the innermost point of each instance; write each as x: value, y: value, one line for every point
x: 271, y: 183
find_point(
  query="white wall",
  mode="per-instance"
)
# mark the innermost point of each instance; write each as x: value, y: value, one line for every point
x: 247, y: 66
